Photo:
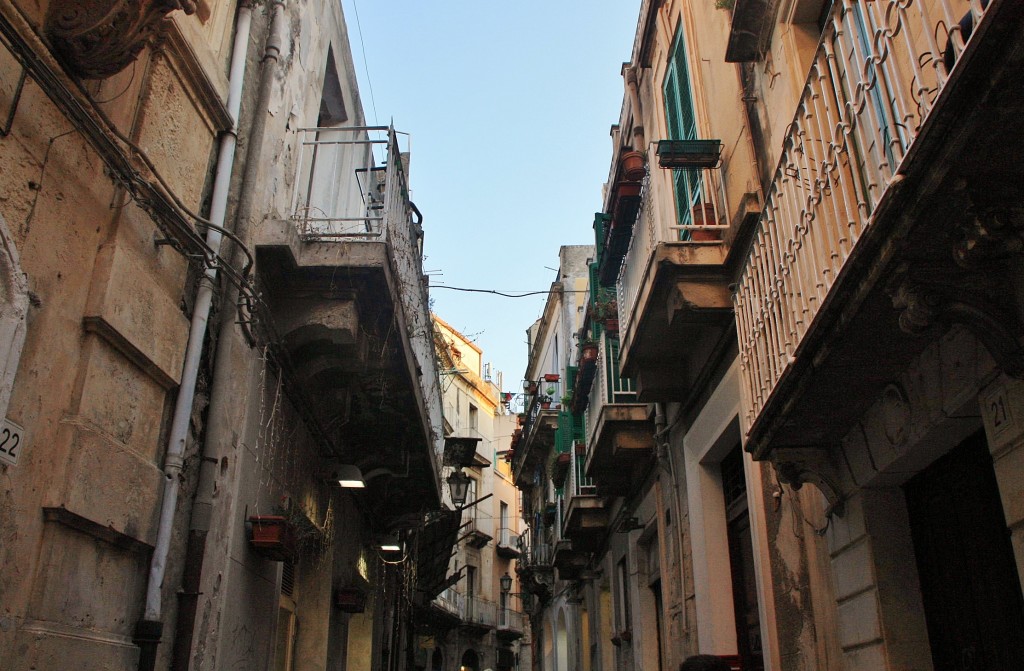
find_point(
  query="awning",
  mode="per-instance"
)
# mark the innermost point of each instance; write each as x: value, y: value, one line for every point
x: 434, y: 544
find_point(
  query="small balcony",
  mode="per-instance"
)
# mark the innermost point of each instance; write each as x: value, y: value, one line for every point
x: 570, y: 560
x: 475, y: 536
x: 538, y: 435
x: 535, y: 569
x: 586, y: 515
x: 510, y: 625
x: 674, y: 301
x: 620, y: 436
x: 358, y: 352
x: 508, y: 543
x: 479, y: 616
x: 891, y: 217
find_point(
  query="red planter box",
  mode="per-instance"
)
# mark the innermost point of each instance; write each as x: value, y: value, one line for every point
x: 272, y: 537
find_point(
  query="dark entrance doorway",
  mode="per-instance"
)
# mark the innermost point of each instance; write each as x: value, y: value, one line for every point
x: 969, y: 583
x: 741, y: 562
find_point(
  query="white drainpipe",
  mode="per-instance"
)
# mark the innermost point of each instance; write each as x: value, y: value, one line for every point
x: 197, y: 333
x: 632, y: 84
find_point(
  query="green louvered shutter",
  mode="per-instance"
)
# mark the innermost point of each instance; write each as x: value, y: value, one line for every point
x: 682, y: 125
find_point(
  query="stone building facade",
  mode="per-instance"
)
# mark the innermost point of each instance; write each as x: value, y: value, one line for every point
x: 212, y: 307
x: 809, y: 244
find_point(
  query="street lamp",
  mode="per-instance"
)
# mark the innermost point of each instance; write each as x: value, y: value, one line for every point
x: 458, y: 485
x: 506, y: 583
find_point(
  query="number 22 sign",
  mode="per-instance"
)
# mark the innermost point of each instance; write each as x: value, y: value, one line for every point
x: 12, y: 441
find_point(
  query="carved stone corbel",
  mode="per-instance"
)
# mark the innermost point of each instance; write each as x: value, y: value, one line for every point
x: 930, y: 299
x: 99, y: 38
x: 797, y: 466
x: 992, y: 228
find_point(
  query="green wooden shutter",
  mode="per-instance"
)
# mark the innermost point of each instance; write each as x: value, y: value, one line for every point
x: 682, y: 125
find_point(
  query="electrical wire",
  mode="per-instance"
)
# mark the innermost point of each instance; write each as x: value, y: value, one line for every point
x: 504, y: 294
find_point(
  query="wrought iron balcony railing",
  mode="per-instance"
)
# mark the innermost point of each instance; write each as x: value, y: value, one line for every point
x: 609, y: 387
x: 510, y: 619
x: 877, y: 75
x: 508, y: 537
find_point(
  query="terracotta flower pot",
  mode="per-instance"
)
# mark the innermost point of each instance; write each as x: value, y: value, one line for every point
x: 551, y: 377
x: 588, y: 352
x: 633, y: 166
x: 704, y: 215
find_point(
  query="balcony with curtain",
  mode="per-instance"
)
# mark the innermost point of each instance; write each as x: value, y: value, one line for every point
x: 619, y: 433
x: 341, y: 273
x: 894, y: 213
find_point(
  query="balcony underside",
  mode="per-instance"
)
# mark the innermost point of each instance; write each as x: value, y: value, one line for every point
x: 586, y: 522
x: 334, y: 306
x: 537, y: 440
x: 508, y: 634
x: 943, y: 248
x: 570, y: 560
x: 682, y: 313
x: 622, y: 448
x: 475, y: 628
x: 506, y: 551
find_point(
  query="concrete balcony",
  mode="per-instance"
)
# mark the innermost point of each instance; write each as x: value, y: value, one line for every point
x: 478, y: 616
x: 342, y: 279
x: 569, y: 560
x: 538, y: 437
x: 508, y: 543
x: 510, y: 625
x: 586, y: 513
x: 894, y: 214
x: 675, y: 305
x: 620, y: 436
x: 474, y: 535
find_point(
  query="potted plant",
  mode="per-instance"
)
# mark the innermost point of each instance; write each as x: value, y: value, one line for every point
x: 633, y: 166
x: 545, y: 402
x: 588, y: 351
x: 704, y: 215
x: 551, y: 377
x: 531, y: 387
x: 567, y: 400
x: 272, y: 536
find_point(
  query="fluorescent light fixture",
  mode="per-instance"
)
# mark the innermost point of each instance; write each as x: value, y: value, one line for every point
x: 350, y: 477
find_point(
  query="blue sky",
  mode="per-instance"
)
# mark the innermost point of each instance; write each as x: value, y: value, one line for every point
x: 509, y: 106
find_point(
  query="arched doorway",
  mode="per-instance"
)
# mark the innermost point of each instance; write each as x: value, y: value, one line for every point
x: 561, y: 643
x: 470, y: 661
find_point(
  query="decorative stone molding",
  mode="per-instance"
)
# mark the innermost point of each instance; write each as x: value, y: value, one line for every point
x: 99, y: 38
x: 992, y: 228
x: 973, y: 301
x: 797, y: 466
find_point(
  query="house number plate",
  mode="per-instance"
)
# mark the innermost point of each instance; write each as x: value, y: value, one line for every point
x: 12, y: 442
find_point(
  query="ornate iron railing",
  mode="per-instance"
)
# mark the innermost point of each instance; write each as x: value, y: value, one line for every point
x: 876, y: 76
